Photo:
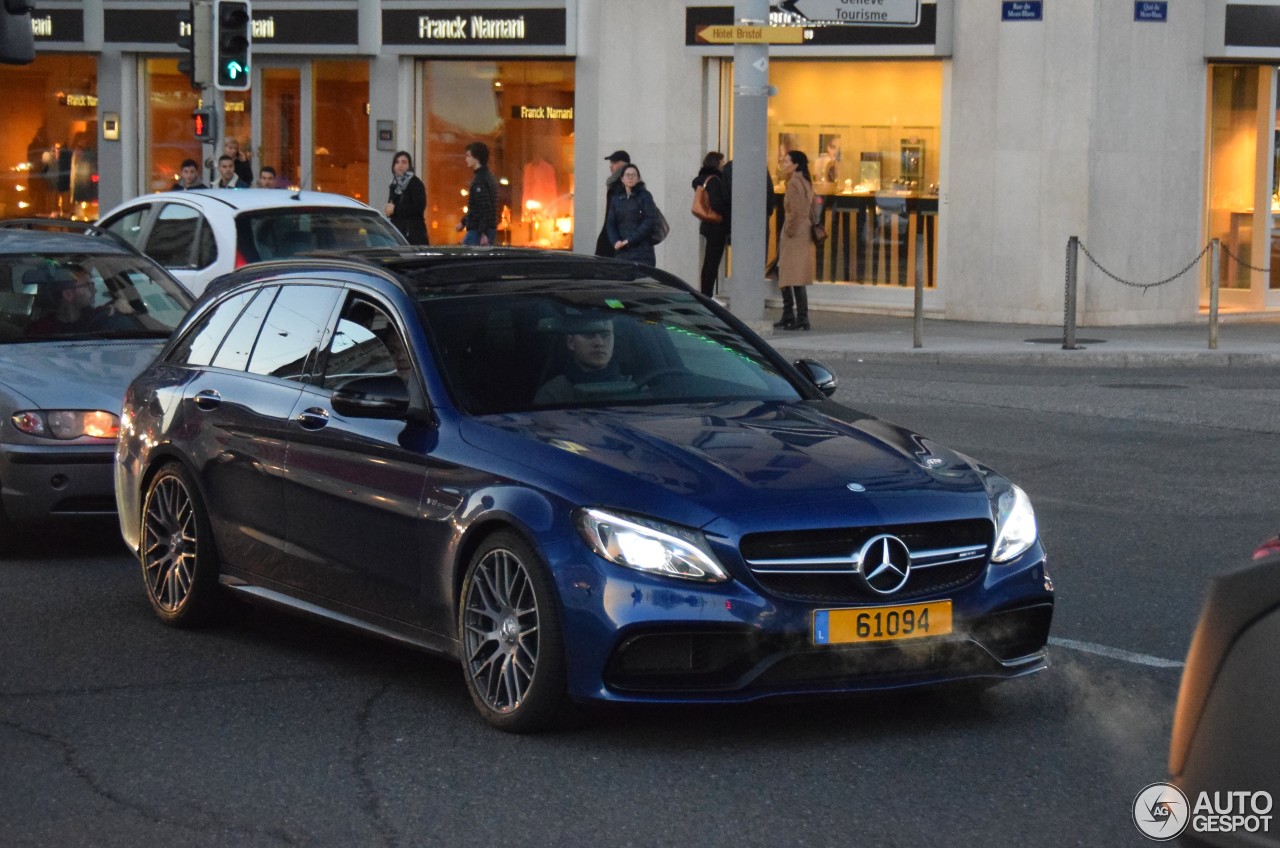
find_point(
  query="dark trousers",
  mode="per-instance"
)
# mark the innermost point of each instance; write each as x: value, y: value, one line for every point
x: 711, y: 260
x: 795, y: 306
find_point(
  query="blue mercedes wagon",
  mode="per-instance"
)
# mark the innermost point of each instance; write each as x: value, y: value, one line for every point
x: 577, y: 477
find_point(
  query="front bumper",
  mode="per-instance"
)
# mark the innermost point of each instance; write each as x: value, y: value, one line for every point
x: 43, y: 483
x: 632, y: 637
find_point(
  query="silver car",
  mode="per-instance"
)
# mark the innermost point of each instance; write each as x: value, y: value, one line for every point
x: 79, y: 318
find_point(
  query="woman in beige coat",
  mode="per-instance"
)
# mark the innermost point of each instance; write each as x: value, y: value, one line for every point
x: 797, y: 261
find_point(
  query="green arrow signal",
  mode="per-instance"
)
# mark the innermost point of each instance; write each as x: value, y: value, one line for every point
x: 234, y: 69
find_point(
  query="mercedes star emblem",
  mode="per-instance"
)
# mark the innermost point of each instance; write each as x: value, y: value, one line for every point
x: 885, y: 563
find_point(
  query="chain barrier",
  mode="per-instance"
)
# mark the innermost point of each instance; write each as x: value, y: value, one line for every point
x: 1228, y: 252
x: 1145, y: 286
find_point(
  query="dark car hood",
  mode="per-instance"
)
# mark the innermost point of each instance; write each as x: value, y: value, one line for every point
x: 89, y: 374
x: 722, y: 459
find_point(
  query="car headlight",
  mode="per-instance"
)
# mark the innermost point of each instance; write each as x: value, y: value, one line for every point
x: 650, y: 546
x: 1015, y: 524
x: 67, y: 423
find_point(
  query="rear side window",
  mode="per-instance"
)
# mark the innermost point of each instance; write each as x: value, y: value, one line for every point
x: 294, y: 332
x: 201, y: 343
x: 280, y: 233
x: 173, y: 236
x: 238, y: 346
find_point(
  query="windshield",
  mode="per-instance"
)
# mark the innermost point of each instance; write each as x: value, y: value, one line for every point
x: 52, y: 296
x: 281, y: 233
x: 612, y: 345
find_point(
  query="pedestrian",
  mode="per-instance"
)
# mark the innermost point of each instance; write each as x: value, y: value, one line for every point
x: 481, y: 218
x: 227, y: 176
x: 267, y: 177
x: 407, y: 202
x: 797, y: 262
x: 631, y: 219
x: 617, y: 159
x: 190, y: 177
x: 716, y: 233
x: 243, y: 168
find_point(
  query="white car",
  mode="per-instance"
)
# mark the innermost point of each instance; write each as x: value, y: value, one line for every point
x: 202, y: 234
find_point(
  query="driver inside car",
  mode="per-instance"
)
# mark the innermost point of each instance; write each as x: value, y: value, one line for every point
x: 589, y: 340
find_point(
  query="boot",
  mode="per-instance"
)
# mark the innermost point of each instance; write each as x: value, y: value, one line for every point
x: 788, y: 320
x: 801, y: 321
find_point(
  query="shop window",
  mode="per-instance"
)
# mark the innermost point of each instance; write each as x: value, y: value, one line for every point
x: 523, y: 112
x: 340, y: 128
x: 169, y: 137
x: 49, y: 146
x: 874, y: 154
x: 1233, y: 150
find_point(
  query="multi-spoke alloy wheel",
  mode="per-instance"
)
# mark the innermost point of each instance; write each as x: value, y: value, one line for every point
x: 180, y: 575
x: 510, y: 632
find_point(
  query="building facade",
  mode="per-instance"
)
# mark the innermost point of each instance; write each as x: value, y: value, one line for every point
x: 966, y: 147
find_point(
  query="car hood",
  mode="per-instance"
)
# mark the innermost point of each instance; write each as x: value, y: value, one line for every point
x: 697, y: 462
x: 75, y: 374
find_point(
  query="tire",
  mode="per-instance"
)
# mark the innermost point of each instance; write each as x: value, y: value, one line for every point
x: 179, y: 563
x: 510, y: 633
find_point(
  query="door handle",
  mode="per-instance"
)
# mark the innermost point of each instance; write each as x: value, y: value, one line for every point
x: 207, y: 399
x: 313, y: 418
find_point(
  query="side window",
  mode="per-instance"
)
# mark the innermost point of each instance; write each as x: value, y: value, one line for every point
x: 173, y: 236
x: 366, y: 344
x: 129, y: 225
x: 201, y: 343
x: 235, y: 351
x: 208, y: 252
x: 294, y: 331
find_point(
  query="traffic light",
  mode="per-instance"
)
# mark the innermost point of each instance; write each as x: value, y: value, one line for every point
x: 17, y: 41
x: 202, y: 122
x: 195, y: 36
x: 232, y: 42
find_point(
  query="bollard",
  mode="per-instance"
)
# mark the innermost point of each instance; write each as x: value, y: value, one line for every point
x: 1215, y: 266
x: 917, y: 332
x: 1069, y: 311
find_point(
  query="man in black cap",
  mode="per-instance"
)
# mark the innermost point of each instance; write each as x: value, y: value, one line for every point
x: 589, y: 339
x: 617, y: 160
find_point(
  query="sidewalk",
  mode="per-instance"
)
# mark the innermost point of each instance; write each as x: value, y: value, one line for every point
x: 839, y: 337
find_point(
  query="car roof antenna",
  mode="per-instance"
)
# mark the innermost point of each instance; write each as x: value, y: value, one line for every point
x: 297, y: 195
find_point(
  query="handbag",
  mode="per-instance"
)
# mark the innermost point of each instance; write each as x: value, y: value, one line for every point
x: 661, y: 227
x: 817, y: 230
x: 701, y: 208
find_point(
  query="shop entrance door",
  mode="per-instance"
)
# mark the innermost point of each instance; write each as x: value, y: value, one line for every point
x: 281, y: 138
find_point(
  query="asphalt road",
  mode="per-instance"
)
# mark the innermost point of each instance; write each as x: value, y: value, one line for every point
x: 270, y: 730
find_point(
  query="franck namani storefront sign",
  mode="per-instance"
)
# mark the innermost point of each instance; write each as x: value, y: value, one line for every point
x: 461, y: 27
x: 270, y: 26
x: 58, y: 25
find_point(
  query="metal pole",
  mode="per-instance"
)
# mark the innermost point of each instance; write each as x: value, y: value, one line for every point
x: 917, y: 335
x: 749, y: 200
x: 1215, y: 266
x: 1069, y: 312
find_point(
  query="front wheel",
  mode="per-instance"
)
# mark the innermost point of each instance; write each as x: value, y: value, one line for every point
x: 512, y: 643
x: 179, y: 565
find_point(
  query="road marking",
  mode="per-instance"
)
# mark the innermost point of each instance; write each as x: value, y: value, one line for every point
x: 1116, y: 653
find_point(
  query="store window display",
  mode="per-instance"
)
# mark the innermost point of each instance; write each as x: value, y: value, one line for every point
x: 49, y: 147
x: 523, y: 112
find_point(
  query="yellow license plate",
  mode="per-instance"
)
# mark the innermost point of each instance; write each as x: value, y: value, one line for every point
x: 881, y: 624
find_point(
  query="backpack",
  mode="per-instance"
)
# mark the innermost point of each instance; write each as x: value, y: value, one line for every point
x: 701, y: 208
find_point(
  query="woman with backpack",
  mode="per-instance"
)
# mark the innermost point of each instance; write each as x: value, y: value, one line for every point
x: 712, y: 181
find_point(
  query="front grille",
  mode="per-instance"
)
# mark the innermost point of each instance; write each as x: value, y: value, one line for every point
x: 820, y: 566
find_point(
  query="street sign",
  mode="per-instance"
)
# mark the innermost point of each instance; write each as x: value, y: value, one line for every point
x: 738, y: 34
x: 861, y: 12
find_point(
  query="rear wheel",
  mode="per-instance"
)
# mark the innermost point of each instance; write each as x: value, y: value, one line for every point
x: 179, y: 565
x: 512, y: 643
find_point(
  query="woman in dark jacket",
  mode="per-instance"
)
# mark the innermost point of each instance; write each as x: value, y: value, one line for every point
x: 632, y: 218
x: 407, y: 202
x: 716, y: 234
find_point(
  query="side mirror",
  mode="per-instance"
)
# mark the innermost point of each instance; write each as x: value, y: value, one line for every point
x: 372, y: 397
x: 819, y: 374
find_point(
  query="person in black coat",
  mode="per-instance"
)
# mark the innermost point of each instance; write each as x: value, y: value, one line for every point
x: 407, y: 202
x: 716, y: 233
x: 632, y: 219
x: 617, y: 160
